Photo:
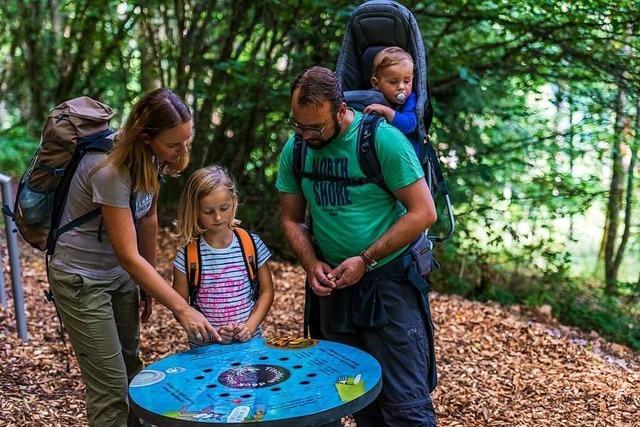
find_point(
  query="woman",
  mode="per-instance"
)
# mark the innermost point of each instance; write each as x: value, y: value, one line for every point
x: 95, y: 267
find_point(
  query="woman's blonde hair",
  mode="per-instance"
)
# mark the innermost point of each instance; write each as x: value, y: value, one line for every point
x: 157, y: 111
x: 200, y: 184
x: 389, y: 57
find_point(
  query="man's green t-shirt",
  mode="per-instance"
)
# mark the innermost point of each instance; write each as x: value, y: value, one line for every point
x: 348, y: 219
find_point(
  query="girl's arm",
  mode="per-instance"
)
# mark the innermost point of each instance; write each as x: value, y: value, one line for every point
x: 265, y: 299
x: 122, y: 235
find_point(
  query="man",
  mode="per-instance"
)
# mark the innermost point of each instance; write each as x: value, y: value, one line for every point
x: 369, y: 294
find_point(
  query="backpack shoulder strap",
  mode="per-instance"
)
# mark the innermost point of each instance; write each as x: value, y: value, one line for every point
x: 192, y: 260
x: 101, y: 142
x: 248, y: 248
x: 98, y: 142
x: 367, y: 155
x: 299, y: 156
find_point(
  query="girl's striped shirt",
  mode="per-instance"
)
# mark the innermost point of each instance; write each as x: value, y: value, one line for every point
x: 225, y: 294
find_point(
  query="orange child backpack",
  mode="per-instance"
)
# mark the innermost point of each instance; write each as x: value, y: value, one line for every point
x: 193, y: 262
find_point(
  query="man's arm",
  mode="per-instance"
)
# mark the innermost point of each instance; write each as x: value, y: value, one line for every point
x: 421, y: 213
x: 293, y: 206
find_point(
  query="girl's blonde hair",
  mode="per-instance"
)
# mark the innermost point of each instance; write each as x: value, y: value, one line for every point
x: 200, y: 184
x: 157, y: 111
x: 389, y: 57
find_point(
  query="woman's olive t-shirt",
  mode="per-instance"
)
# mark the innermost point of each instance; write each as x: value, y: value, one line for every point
x: 86, y: 249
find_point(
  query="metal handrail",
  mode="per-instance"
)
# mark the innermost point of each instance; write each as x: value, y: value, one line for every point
x: 14, y: 261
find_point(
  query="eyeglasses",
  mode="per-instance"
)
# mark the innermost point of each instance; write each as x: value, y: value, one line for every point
x: 313, y: 132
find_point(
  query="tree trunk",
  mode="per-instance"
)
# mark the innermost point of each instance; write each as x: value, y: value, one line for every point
x: 572, y: 156
x: 33, y: 63
x: 149, y: 74
x: 628, y: 210
x: 616, y: 189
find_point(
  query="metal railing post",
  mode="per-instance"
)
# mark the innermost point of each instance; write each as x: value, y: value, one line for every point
x: 3, y: 293
x: 14, y: 261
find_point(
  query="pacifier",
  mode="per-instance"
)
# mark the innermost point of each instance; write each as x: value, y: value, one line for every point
x: 400, y: 98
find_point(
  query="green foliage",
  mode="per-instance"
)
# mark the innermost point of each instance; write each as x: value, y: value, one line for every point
x: 16, y: 148
x: 523, y: 93
x: 591, y: 309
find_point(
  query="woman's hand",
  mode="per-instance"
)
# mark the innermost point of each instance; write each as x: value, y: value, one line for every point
x: 147, y: 307
x: 196, y: 326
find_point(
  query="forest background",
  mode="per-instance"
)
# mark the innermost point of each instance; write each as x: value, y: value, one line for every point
x: 537, y: 122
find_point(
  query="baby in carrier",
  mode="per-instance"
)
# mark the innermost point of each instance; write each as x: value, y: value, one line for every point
x: 393, y: 77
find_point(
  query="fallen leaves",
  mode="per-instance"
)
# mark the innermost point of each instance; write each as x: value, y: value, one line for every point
x: 498, y: 366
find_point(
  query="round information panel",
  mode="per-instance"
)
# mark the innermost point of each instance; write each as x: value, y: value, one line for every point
x: 278, y: 382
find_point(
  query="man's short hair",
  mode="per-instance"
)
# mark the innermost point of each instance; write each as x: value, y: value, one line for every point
x: 317, y: 85
x: 389, y: 57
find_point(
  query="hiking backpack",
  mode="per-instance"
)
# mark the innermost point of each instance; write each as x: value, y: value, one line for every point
x: 372, y: 26
x: 367, y: 158
x: 193, y: 263
x: 72, y: 129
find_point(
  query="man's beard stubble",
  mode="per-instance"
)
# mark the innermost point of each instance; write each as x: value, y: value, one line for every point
x: 317, y: 143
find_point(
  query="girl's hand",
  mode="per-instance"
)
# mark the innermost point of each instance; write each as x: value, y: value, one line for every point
x: 242, y: 333
x: 226, y: 333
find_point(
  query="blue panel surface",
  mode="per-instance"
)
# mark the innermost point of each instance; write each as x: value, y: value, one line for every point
x: 257, y: 382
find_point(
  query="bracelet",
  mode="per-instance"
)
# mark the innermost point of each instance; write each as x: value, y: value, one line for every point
x: 366, y: 263
x: 365, y: 256
x: 369, y: 262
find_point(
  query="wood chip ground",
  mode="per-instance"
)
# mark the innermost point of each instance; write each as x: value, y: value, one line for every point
x: 498, y: 366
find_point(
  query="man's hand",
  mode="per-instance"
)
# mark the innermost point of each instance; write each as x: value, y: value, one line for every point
x: 242, y: 332
x: 349, y: 272
x: 147, y: 306
x: 320, y: 279
x: 226, y: 333
x: 383, y: 110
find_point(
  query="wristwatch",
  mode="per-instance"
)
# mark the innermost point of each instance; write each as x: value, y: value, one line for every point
x: 369, y: 262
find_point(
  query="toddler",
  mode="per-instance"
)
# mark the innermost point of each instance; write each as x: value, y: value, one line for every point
x: 393, y: 77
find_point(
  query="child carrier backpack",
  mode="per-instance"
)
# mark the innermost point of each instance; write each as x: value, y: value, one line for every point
x: 193, y: 263
x: 72, y: 129
x: 373, y: 26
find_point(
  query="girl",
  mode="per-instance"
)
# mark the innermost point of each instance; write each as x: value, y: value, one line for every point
x: 225, y: 293
x: 96, y: 267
